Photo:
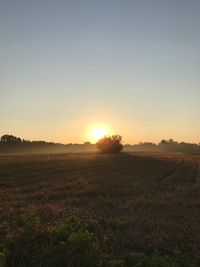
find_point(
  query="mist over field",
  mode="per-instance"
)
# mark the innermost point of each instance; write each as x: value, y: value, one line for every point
x: 13, y: 144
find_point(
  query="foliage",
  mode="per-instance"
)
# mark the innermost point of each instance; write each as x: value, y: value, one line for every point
x: 176, y: 259
x: 94, y: 210
x: 2, y: 259
x: 110, y: 144
x: 10, y: 143
x: 70, y: 243
x: 6, y: 138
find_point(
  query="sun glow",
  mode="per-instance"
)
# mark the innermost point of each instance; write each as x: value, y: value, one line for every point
x: 98, y: 133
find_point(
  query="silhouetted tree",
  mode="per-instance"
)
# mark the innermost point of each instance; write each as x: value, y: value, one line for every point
x: 87, y: 143
x: 110, y: 144
x: 6, y: 138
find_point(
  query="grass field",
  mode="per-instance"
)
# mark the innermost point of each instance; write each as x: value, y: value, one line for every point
x: 82, y: 210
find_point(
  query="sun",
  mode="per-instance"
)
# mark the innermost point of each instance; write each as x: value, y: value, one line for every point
x: 98, y: 133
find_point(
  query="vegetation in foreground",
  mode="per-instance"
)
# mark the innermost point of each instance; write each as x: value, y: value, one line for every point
x: 100, y: 210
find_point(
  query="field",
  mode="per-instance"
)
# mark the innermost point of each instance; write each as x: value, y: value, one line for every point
x: 87, y: 210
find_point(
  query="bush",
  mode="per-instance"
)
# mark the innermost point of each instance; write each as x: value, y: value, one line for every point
x: 110, y: 144
x: 175, y: 259
x: 71, y: 243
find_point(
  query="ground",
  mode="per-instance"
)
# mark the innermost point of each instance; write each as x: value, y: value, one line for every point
x: 145, y: 208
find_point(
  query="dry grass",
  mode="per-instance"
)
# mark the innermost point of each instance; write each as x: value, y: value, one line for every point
x: 144, y: 202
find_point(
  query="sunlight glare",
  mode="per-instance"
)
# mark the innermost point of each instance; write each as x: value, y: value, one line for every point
x: 98, y: 133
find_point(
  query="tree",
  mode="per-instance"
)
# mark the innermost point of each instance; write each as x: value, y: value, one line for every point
x: 6, y: 138
x: 110, y: 144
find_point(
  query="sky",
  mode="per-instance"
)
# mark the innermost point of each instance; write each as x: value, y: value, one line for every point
x: 131, y: 66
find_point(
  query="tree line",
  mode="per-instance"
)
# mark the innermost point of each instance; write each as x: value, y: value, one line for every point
x: 10, y: 143
x: 107, y: 144
x: 165, y: 145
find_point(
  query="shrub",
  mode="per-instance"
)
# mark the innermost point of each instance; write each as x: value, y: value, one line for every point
x: 175, y: 259
x: 72, y: 243
x: 110, y: 144
x: 2, y: 259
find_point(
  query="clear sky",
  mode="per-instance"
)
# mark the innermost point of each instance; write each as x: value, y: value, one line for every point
x: 131, y: 65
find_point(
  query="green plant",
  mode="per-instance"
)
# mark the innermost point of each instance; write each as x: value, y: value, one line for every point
x: 71, y: 243
x: 2, y: 259
x: 176, y: 259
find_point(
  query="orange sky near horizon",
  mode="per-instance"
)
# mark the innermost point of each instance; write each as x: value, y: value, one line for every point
x: 131, y: 66
x: 80, y: 133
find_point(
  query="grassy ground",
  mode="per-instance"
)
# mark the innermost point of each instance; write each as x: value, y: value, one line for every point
x: 100, y: 210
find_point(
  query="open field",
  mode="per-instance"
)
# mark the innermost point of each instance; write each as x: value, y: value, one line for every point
x: 100, y: 210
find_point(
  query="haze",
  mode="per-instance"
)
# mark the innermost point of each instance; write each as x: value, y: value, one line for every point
x: 131, y: 65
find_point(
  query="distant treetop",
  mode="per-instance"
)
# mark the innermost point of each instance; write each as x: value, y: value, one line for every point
x: 6, y: 138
